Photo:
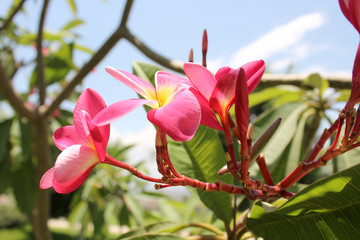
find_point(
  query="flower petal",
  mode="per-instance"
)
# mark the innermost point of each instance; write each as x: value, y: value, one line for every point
x: 117, y: 110
x: 254, y: 71
x: 66, y: 136
x: 167, y: 86
x: 137, y: 84
x: 180, y: 118
x: 242, y: 105
x: 72, y: 167
x: 98, y: 139
x: 47, y: 179
x: 351, y: 10
x: 163, y: 78
x: 201, y: 77
x: 208, y: 117
x: 91, y: 102
x: 224, y: 93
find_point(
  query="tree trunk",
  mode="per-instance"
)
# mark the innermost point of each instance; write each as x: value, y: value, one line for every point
x: 41, y: 211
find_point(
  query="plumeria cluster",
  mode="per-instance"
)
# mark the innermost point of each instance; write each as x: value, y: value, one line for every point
x: 178, y: 106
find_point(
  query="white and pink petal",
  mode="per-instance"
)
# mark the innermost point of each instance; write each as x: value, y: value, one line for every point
x: 72, y: 167
x: 137, y: 84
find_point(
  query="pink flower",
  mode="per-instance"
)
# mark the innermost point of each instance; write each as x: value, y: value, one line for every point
x: 83, y: 145
x: 219, y: 89
x: 351, y: 10
x: 175, y: 107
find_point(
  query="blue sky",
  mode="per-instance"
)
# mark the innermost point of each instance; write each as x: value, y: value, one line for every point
x: 314, y: 36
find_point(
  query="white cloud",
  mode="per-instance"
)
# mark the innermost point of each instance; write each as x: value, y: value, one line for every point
x: 143, y: 141
x: 280, y: 39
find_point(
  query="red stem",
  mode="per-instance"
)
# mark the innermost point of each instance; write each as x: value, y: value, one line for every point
x: 232, y: 164
x: 163, y: 155
x: 114, y: 162
x: 324, y: 137
x: 264, y: 170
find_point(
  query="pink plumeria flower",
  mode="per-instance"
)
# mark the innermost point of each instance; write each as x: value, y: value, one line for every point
x: 219, y: 89
x: 351, y: 10
x: 175, y: 107
x: 83, y: 145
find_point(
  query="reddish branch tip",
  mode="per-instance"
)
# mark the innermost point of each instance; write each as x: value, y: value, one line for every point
x: 204, y: 47
x: 191, y: 55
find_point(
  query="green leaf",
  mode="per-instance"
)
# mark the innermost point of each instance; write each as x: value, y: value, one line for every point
x: 72, y: 6
x: 327, y: 209
x: 268, y: 94
x: 145, y: 71
x: 150, y: 236
x: 72, y: 24
x: 316, y: 81
x: 84, y: 49
x: 133, y: 208
x: 60, y: 36
x: 57, y: 65
x: 152, y: 228
x: 263, y: 121
x: 295, y: 151
x: 25, y: 185
x: 201, y: 158
x: 283, y: 135
x: 4, y: 137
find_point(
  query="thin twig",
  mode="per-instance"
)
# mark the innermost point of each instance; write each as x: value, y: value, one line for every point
x: 270, y: 80
x: 40, y: 58
x: 7, y: 91
x: 96, y: 58
x: 126, y: 13
x: 8, y: 21
x: 174, y: 65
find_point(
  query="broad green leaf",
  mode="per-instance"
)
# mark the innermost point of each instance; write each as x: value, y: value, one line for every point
x: 294, y: 156
x: 348, y: 159
x: 201, y: 158
x: 283, y: 135
x: 263, y: 121
x: 268, y: 94
x: 327, y: 209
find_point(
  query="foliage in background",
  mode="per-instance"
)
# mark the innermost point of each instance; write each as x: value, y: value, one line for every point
x: 112, y: 197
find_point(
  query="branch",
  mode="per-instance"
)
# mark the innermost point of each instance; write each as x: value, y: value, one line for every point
x: 7, y: 91
x: 271, y: 80
x: 174, y: 65
x: 40, y: 58
x: 126, y: 13
x: 96, y: 58
x: 8, y: 21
